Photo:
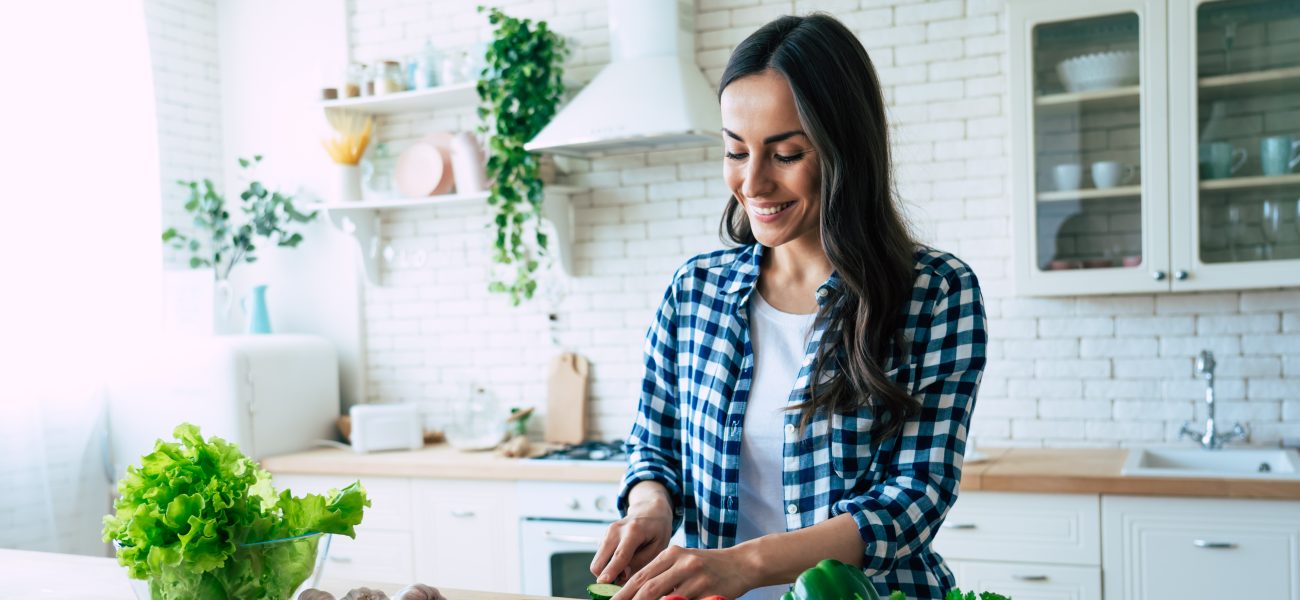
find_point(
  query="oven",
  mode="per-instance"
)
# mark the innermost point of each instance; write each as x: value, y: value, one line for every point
x: 561, y: 525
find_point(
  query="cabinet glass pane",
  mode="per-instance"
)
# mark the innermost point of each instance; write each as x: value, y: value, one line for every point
x: 1248, y: 150
x: 1087, y: 144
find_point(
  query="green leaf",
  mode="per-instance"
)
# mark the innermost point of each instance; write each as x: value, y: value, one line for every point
x: 169, y: 234
x: 243, y: 162
x: 195, y: 262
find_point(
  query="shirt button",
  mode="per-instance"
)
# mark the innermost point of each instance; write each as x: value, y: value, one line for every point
x: 789, y: 429
x: 792, y: 509
x: 821, y: 292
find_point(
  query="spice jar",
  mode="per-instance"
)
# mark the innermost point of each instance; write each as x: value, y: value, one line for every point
x: 353, y: 80
x: 389, y: 78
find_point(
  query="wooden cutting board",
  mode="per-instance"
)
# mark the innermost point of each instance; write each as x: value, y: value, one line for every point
x: 566, y: 399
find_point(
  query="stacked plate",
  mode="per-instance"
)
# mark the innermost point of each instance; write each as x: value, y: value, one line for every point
x: 1099, y: 71
x: 424, y: 168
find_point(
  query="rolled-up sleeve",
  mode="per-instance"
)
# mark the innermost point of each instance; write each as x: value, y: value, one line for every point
x: 899, y: 515
x: 654, y: 446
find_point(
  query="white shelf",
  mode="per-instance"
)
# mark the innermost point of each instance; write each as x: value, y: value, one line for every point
x: 361, y: 221
x: 1120, y: 97
x: 1090, y: 193
x: 457, y: 95
x: 1242, y: 183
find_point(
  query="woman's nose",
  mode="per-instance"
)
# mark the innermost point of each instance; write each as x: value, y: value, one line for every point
x: 758, y: 182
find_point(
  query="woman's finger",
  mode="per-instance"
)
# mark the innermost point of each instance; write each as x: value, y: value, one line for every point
x: 619, y: 561
x: 657, y: 586
x: 651, y: 570
x: 605, y: 549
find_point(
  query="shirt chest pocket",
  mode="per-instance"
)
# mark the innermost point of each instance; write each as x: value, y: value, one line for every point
x: 853, y: 449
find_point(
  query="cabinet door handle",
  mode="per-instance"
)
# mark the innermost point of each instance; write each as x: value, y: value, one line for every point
x: 340, y: 559
x: 1029, y: 577
x: 573, y: 539
x: 1181, y: 275
x: 1158, y: 275
x: 462, y: 514
x: 959, y: 526
x: 1213, y: 545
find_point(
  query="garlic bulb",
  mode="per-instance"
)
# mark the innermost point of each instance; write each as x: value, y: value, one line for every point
x: 366, y: 594
x: 419, y: 591
x: 315, y: 594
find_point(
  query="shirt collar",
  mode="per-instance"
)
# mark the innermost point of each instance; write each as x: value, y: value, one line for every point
x: 744, y: 274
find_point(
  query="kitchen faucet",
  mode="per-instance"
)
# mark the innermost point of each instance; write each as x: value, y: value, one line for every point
x: 1210, y: 438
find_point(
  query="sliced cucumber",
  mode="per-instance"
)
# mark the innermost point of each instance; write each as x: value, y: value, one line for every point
x: 602, y: 591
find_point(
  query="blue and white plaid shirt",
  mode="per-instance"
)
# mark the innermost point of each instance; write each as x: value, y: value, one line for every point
x: 699, y: 368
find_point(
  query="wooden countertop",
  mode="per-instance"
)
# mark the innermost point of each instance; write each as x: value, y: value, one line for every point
x: 1097, y: 471
x: 70, y: 576
x: 1035, y: 470
x: 441, y: 461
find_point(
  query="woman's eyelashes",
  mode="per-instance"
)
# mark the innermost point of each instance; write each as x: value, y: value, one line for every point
x: 784, y: 158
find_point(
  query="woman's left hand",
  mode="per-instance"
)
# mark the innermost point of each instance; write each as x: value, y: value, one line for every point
x: 689, y: 573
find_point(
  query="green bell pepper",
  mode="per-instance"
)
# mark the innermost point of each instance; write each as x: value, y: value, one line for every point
x: 831, y: 579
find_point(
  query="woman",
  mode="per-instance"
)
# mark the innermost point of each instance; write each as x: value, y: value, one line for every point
x: 807, y: 394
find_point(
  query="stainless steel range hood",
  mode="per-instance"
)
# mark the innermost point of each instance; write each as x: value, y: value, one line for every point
x: 651, y: 95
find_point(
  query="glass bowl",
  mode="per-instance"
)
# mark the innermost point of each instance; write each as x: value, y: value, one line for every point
x: 283, y: 567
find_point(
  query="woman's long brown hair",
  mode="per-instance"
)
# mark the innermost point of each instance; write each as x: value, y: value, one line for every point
x: 863, y: 232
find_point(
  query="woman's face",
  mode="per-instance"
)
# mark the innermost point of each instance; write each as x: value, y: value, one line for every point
x: 770, y: 165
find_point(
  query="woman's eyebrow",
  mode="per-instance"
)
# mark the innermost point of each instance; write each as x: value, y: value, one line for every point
x: 771, y: 139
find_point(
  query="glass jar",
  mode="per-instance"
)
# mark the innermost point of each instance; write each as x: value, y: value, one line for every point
x: 377, y: 173
x: 426, y: 67
x: 389, y: 78
x: 354, y: 79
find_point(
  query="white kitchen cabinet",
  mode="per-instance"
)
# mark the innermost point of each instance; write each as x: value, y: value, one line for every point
x: 1029, y: 546
x: 384, y: 548
x: 1200, y: 548
x: 1151, y: 180
x: 1033, y: 528
x: 1028, y: 581
x: 467, y: 534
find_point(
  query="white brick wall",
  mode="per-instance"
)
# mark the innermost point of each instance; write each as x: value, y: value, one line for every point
x: 183, y: 48
x: 1090, y: 371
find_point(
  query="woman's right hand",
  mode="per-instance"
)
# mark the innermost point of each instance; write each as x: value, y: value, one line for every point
x: 633, y: 541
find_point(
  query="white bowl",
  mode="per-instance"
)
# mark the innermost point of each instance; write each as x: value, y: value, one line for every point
x: 1099, y: 71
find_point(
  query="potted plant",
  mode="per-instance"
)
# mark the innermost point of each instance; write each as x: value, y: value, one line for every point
x: 520, y: 89
x: 219, y: 243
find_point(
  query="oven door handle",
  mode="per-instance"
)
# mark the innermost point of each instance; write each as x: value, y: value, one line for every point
x: 572, y: 539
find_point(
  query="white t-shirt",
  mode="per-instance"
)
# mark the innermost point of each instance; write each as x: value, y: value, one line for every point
x: 779, y: 340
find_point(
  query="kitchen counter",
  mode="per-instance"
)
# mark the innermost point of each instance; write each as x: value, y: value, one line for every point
x: 58, y: 576
x: 1097, y: 471
x: 1036, y: 470
x: 441, y: 461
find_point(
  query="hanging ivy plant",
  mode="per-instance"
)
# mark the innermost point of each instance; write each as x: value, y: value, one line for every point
x: 520, y: 89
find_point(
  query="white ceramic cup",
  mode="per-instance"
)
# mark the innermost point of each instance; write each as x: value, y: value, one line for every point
x: 1109, y: 173
x: 1068, y: 177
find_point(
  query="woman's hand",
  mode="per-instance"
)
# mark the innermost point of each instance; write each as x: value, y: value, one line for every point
x: 633, y: 541
x: 690, y: 573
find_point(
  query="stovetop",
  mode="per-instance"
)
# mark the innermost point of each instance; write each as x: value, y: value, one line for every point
x: 588, y: 451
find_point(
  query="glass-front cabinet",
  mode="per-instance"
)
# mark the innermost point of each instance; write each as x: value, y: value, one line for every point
x: 1155, y: 145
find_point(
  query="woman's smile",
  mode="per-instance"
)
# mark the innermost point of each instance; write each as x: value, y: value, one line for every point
x: 769, y: 213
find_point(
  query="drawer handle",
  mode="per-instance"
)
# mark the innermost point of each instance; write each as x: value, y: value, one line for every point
x: 573, y: 539
x: 959, y: 526
x: 1214, y: 545
x: 1029, y: 577
x: 462, y: 514
x: 340, y: 559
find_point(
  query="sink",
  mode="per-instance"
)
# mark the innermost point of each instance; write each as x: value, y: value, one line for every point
x: 1249, y: 463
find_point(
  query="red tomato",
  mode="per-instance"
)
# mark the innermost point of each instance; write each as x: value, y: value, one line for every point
x: 673, y: 597
x: 713, y: 597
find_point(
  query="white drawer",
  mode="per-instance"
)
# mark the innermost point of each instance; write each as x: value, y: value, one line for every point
x: 390, y: 497
x: 374, y: 556
x: 1027, y: 581
x: 1034, y: 528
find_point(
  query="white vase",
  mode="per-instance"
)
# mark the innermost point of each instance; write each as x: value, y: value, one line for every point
x: 225, y: 318
x: 349, y: 183
x: 468, y: 166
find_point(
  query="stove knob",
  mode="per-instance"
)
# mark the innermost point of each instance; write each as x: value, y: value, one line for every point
x: 574, y: 504
x: 602, y: 504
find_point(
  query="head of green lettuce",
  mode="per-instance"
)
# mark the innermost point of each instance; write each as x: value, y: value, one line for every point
x: 188, y: 512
